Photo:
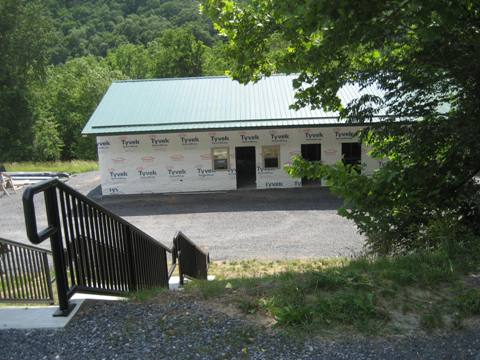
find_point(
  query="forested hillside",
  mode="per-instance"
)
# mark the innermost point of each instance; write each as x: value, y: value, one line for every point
x: 57, y: 58
x: 94, y: 27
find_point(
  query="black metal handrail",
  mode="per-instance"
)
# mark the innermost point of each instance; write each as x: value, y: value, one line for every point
x: 193, y: 261
x: 96, y: 251
x: 24, y: 273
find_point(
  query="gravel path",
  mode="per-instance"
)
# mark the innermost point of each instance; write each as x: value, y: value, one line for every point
x: 268, y: 224
x: 184, y: 330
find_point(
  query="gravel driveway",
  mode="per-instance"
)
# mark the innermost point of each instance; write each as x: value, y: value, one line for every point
x: 269, y: 224
x: 12, y: 222
x: 186, y: 330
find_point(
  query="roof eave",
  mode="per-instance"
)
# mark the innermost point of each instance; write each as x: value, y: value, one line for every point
x: 132, y: 130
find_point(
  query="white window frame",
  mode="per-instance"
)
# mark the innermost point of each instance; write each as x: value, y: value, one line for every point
x: 278, y: 158
x: 228, y: 157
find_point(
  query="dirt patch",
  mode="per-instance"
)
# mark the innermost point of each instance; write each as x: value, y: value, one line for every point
x: 472, y: 281
x: 231, y: 309
x: 226, y: 304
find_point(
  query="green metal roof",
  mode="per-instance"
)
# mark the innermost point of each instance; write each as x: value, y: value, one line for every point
x: 206, y: 103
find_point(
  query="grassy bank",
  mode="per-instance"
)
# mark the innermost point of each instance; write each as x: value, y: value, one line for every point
x: 335, y: 296
x: 72, y: 167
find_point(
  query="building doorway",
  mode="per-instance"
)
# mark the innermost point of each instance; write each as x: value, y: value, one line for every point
x: 311, y: 152
x: 245, y: 167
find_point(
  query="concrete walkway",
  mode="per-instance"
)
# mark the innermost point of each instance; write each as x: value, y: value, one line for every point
x: 35, y: 317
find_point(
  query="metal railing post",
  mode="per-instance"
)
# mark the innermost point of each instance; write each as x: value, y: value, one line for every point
x: 192, y: 261
x: 48, y: 277
x: 132, y: 280
x: 53, y: 219
x: 178, y: 253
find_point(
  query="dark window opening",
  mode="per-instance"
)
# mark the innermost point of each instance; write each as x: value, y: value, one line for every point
x: 311, y: 152
x: 271, y: 163
x: 352, y: 153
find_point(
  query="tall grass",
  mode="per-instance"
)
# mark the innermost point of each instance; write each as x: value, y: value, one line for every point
x: 367, y: 295
x: 71, y: 167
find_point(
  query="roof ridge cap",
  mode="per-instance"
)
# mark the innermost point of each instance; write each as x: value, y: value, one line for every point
x: 192, y: 78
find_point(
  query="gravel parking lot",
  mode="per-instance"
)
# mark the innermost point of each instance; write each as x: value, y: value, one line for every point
x: 12, y: 223
x: 269, y: 224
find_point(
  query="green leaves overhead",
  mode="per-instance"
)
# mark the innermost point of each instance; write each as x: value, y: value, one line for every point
x: 424, y: 56
x: 406, y: 47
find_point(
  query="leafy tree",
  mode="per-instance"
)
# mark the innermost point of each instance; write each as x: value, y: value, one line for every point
x: 47, y: 144
x: 174, y: 54
x: 25, y: 36
x: 69, y: 96
x: 141, y: 29
x: 177, y: 53
x: 134, y: 61
x: 215, y: 60
x: 423, y: 56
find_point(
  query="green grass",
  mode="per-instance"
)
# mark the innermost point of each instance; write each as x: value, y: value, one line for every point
x: 468, y: 302
x: 72, y: 167
x: 366, y: 295
x: 147, y: 294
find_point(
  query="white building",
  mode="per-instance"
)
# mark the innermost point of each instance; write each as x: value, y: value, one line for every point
x: 211, y: 133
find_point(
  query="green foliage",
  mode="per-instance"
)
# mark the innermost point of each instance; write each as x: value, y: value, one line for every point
x: 131, y: 60
x: 72, y: 90
x: 176, y: 54
x: 247, y: 306
x: 209, y: 289
x: 363, y: 294
x: 70, y: 95
x: 25, y: 37
x: 431, y: 320
x: 469, y: 302
x: 93, y: 27
x: 71, y: 167
x: 47, y: 144
x: 292, y: 315
x: 395, y: 216
x: 215, y: 60
x: 44, y: 108
x: 146, y: 295
x: 423, y: 57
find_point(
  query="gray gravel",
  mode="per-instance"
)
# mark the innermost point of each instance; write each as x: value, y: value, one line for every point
x: 12, y: 223
x: 184, y: 330
x: 269, y: 224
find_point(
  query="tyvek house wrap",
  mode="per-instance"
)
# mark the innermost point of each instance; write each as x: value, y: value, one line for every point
x: 182, y: 162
